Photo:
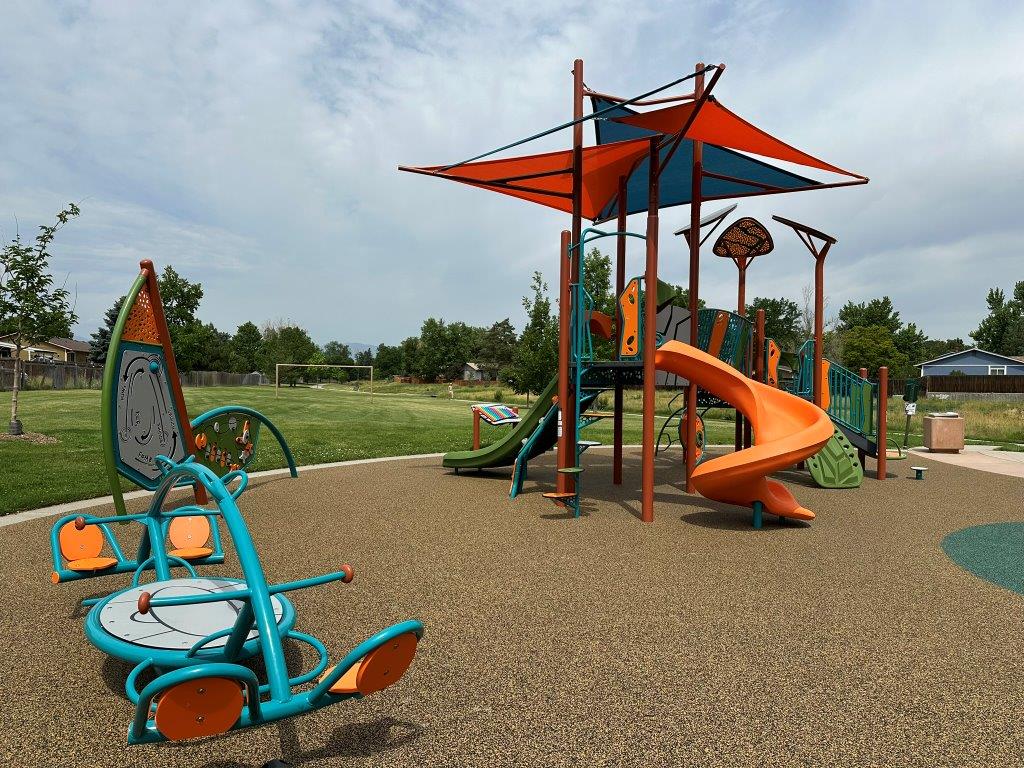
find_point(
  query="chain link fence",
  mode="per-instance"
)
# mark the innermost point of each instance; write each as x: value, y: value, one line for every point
x: 39, y: 375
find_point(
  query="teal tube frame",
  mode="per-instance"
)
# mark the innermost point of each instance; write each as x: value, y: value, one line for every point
x: 200, y: 662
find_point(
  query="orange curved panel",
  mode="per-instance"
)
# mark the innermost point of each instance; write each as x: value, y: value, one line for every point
x: 772, y: 368
x: 718, y: 331
x: 141, y: 323
x: 91, y: 564
x: 82, y: 544
x: 198, y: 708
x: 629, y: 312
x: 191, y: 553
x: 189, y: 532
x: 602, y: 324
x: 787, y: 429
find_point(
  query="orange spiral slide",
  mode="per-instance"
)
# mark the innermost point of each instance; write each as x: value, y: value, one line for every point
x: 787, y: 429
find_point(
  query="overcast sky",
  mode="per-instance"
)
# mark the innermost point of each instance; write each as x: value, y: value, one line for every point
x: 254, y: 146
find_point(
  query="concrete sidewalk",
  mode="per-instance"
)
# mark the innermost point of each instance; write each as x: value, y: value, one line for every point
x: 981, y: 457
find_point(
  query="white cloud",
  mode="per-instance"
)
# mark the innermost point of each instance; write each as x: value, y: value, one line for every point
x: 255, y: 147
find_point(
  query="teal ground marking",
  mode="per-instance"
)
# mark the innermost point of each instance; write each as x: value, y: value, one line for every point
x: 992, y: 552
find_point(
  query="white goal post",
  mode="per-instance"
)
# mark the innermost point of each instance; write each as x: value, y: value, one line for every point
x: 279, y: 366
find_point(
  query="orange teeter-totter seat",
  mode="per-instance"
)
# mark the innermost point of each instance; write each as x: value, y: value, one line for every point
x: 378, y: 669
x: 189, y: 537
x: 81, y: 544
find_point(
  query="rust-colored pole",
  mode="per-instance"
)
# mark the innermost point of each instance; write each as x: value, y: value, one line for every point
x: 819, y: 320
x: 760, y: 374
x: 476, y: 430
x: 863, y: 373
x: 741, y: 309
x: 650, y: 336
x: 883, y: 407
x: 153, y: 286
x: 696, y: 174
x: 568, y: 402
x: 562, y: 458
x: 620, y: 286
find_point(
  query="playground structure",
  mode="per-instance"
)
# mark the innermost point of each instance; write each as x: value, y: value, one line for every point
x: 143, y: 412
x: 192, y: 632
x: 685, y: 153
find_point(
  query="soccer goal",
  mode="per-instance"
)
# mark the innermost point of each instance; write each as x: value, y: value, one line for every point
x: 279, y: 366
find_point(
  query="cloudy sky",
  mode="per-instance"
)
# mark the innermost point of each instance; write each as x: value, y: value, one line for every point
x: 254, y: 146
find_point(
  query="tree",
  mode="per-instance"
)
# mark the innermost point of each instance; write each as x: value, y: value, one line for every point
x: 286, y: 344
x: 441, y: 351
x: 874, y: 312
x: 597, y: 280
x: 201, y: 347
x: 499, y: 344
x: 30, y: 306
x: 336, y: 353
x: 246, y: 348
x: 389, y: 361
x: 781, y: 321
x: 1002, y: 330
x: 933, y: 348
x: 180, y: 298
x: 536, y: 358
x: 99, y: 342
x: 410, y: 355
x: 364, y: 357
x: 872, y: 347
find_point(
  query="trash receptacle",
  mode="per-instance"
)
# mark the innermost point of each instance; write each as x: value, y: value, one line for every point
x: 944, y: 432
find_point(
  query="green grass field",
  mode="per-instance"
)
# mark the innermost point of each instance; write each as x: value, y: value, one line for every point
x: 338, y: 424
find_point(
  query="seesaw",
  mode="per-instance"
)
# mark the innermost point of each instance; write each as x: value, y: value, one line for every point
x: 193, y: 632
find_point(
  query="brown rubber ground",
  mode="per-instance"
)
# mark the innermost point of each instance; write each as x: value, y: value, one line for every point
x: 601, y: 641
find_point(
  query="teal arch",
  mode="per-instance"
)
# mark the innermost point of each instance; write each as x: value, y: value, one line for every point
x: 993, y: 552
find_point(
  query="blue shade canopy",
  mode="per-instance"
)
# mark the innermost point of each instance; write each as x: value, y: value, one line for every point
x: 757, y: 177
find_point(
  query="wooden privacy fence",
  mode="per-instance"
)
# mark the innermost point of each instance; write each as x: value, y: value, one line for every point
x: 1001, y: 385
x: 36, y: 375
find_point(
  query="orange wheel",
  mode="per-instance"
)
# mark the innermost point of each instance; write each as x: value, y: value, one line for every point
x: 198, y: 708
x: 386, y: 664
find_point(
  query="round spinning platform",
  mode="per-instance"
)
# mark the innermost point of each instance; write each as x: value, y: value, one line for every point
x: 166, y: 633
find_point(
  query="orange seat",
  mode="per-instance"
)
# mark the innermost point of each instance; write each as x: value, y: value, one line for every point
x: 199, y: 708
x: 80, y: 546
x: 381, y: 667
x: 189, y: 536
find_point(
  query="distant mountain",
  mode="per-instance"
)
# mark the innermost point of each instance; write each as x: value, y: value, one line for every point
x: 356, y: 346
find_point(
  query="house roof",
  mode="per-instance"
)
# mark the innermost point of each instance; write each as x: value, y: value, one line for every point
x: 72, y: 345
x: 1018, y: 359
x: 481, y: 366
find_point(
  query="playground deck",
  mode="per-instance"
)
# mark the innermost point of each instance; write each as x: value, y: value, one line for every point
x: 691, y: 641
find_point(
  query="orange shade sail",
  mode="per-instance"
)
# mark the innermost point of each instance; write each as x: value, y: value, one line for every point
x: 547, y: 178
x: 715, y: 124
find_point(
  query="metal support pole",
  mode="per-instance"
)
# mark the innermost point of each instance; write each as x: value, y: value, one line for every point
x: 696, y: 174
x: 650, y: 337
x: 564, y: 481
x: 819, y: 320
x: 760, y: 374
x: 476, y: 430
x: 620, y: 286
x: 741, y: 310
x: 883, y: 403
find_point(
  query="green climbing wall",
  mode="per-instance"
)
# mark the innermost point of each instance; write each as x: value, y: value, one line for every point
x: 836, y: 465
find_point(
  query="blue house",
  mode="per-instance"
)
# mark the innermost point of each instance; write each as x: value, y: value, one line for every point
x: 973, y: 362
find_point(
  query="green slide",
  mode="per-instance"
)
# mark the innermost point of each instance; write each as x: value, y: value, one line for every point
x: 503, y: 453
x: 836, y: 465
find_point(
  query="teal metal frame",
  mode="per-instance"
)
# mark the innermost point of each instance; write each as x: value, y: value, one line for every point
x: 582, y: 341
x: 176, y: 667
x: 853, y: 401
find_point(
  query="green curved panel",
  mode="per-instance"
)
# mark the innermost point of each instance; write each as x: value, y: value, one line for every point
x: 836, y: 465
x: 990, y: 552
x: 226, y: 442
